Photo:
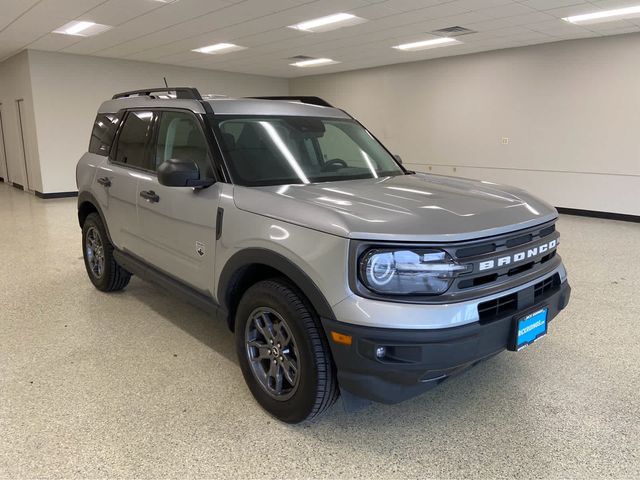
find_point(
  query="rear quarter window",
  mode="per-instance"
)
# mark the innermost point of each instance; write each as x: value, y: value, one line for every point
x: 104, y: 130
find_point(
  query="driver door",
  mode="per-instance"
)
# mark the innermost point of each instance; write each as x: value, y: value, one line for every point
x: 178, y: 224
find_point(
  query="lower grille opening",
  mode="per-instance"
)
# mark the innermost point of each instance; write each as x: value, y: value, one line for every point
x: 546, y: 286
x: 499, y: 307
x: 503, y: 306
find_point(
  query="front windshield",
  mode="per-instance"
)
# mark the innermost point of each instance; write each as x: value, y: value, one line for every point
x: 274, y: 150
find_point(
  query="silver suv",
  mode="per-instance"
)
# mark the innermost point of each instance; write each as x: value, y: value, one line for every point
x: 340, y: 271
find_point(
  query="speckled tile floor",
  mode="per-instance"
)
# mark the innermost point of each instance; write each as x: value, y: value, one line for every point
x: 139, y: 384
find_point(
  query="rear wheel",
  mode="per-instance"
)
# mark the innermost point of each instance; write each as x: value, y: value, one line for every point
x: 283, y: 354
x: 102, y: 268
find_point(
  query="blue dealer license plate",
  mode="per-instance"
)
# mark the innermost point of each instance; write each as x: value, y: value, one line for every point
x: 531, y: 328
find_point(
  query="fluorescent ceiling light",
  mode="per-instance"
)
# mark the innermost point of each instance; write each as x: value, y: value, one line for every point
x: 315, y: 62
x: 219, y: 48
x: 426, y: 44
x: 330, y: 22
x: 82, y: 28
x: 605, y: 15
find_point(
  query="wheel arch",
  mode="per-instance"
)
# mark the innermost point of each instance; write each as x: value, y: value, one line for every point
x: 251, y: 265
x: 87, y: 204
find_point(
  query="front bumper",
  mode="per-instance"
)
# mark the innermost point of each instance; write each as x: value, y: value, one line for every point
x: 417, y: 360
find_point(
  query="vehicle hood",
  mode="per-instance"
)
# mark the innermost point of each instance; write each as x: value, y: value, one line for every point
x: 415, y: 207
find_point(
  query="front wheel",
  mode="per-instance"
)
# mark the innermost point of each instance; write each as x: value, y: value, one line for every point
x: 283, y: 353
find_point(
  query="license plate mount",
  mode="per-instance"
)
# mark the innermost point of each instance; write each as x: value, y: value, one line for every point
x: 529, y: 328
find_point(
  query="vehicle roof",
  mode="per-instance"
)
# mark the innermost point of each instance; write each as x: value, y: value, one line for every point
x: 226, y: 106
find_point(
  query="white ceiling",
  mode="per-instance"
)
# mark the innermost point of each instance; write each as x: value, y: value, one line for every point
x: 153, y: 31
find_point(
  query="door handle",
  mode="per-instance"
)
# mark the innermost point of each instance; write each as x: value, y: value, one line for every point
x: 150, y: 196
x: 104, y: 181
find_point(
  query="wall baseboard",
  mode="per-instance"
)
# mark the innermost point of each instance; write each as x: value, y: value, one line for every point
x: 596, y: 214
x: 17, y: 185
x: 47, y: 196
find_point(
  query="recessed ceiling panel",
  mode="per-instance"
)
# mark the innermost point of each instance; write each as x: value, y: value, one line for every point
x: 162, y: 32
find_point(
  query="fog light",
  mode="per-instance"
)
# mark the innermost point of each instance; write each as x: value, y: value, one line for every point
x: 381, y: 352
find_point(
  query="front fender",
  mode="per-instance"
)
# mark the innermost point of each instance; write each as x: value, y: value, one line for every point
x: 269, y: 258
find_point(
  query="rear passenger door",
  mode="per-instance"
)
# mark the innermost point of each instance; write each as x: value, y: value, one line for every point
x: 178, y: 224
x: 117, y: 179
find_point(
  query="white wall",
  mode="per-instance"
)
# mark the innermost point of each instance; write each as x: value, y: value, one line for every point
x: 15, y: 84
x: 571, y: 112
x: 67, y: 90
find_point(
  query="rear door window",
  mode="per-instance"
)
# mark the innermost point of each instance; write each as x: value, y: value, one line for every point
x: 104, y: 130
x: 134, y: 139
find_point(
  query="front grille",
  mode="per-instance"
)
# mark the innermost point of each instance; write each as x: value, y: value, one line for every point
x: 521, y: 269
x: 504, y: 248
x: 503, y: 242
x: 502, y: 306
x: 475, y: 250
x: 514, y: 242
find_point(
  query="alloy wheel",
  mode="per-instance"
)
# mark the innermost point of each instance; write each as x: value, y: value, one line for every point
x: 272, y: 352
x: 95, y: 252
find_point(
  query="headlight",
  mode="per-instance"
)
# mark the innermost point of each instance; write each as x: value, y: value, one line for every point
x: 409, y: 271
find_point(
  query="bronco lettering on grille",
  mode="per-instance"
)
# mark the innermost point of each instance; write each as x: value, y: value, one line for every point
x: 518, y: 257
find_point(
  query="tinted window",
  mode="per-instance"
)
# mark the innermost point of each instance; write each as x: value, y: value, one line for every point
x: 180, y: 137
x: 104, y: 129
x: 132, y: 142
x: 283, y: 150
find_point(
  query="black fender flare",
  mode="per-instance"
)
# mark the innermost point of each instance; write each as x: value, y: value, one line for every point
x: 87, y: 197
x: 262, y: 256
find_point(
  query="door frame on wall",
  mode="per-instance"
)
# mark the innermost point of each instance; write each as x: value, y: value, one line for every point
x: 22, y: 145
x: 3, y: 149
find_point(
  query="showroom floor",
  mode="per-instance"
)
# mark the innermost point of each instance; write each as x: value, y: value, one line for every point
x: 139, y: 384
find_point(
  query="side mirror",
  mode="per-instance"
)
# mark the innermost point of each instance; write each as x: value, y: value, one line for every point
x: 181, y: 173
x: 398, y: 159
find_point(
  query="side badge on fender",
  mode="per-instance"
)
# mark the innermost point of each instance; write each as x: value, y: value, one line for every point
x: 200, y: 248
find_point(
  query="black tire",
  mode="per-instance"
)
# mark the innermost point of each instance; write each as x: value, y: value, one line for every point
x: 111, y: 277
x: 316, y: 388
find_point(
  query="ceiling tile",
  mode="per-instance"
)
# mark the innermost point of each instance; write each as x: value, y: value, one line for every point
x: 507, y: 10
x: 555, y: 27
x: 13, y: 10
x: 608, y: 4
x: 64, y: 8
x: 117, y: 12
x: 53, y: 42
x: 408, y: 5
x: 371, y: 12
x: 480, y: 4
x: 572, y: 10
x: 548, y: 4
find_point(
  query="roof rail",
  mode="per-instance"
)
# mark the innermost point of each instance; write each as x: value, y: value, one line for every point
x: 303, y: 99
x: 188, y: 93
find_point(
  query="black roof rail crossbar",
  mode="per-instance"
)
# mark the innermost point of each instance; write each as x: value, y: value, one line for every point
x: 187, y: 93
x: 303, y: 99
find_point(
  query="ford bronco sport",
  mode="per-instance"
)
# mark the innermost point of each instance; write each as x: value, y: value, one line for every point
x: 339, y: 271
